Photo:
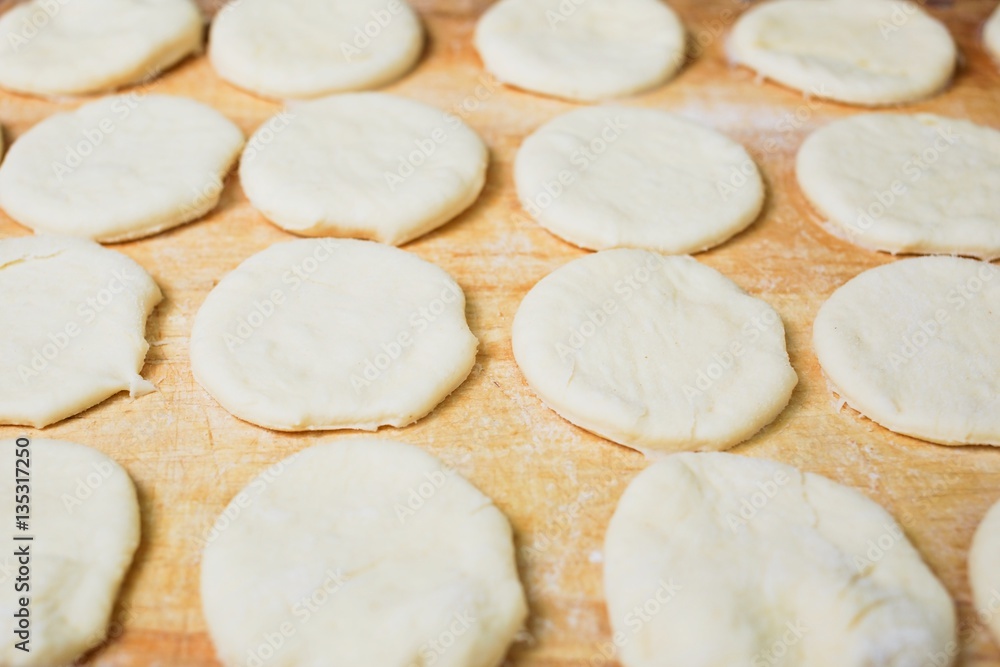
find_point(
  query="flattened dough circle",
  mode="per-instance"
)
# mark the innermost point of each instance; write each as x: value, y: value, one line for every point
x: 915, y: 183
x: 716, y: 559
x: 320, y: 334
x: 912, y: 345
x: 74, y: 321
x: 119, y: 168
x: 609, y: 177
x: 367, y: 165
x: 308, y: 48
x: 864, y: 53
x: 65, y: 47
x: 368, y: 550
x: 984, y: 575
x: 84, y: 519
x: 656, y: 353
x: 582, y: 51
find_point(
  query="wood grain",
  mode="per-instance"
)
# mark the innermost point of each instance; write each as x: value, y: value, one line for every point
x: 558, y: 484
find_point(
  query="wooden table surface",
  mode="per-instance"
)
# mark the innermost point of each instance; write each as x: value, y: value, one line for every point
x: 557, y: 483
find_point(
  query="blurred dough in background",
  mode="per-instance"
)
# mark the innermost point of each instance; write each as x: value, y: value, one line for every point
x: 76, y: 47
x: 611, y: 177
x: 309, y: 48
x: 119, y: 168
x: 901, y: 183
x: 864, y: 53
x: 582, y: 51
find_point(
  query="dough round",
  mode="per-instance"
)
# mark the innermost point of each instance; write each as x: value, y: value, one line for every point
x: 865, y: 53
x: 65, y: 47
x: 368, y: 165
x: 912, y: 345
x: 607, y: 177
x: 584, y: 51
x: 656, y: 353
x: 332, y: 333
x: 74, y: 321
x: 906, y: 183
x: 308, y: 48
x: 119, y: 168
x: 984, y: 575
x: 368, y: 550
x: 991, y: 34
x: 84, y: 518
x: 716, y: 559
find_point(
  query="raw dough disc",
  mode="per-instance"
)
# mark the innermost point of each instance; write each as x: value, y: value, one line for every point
x: 991, y: 34
x: 332, y: 333
x: 906, y: 183
x: 584, y: 51
x: 368, y: 165
x: 912, y: 345
x: 656, y: 353
x: 308, y: 48
x: 716, y: 559
x: 368, y: 550
x: 866, y: 53
x: 119, y: 168
x: 984, y: 575
x: 606, y: 177
x: 84, y: 518
x: 65, y: 47
x: 74, y: 321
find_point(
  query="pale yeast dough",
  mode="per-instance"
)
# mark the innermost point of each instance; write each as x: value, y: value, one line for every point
x: 912, y: 345
x: 584, y: 50
x: 364, y: 552
x: 307, y: 48
x: 991, y: 34
x: 866, y: 53
x: 984, y: 575
x: 715, y: 559
x: 657, y: 353
x: 366, y: 165
x: 73, y: 316
x: 906, y: 183
x: 85, y: 522
x: 119, y: 168
x: 606, y: 177
x: 72, y: 47
x: 329, y: 333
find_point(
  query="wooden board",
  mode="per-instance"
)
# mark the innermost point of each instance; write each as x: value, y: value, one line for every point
x: 558, y: 484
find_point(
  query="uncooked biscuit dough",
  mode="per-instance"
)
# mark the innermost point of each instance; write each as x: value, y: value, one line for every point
x: 120, y: 168
x: 332, y: 333
x: 368, y: 550
x: 716, y: 559
x: 912, y: 345
x: 607, y: 177
x: 73, y: 317
x: 984, y: 575
x: 65, y: 47
x: 657, y: 353
x: 864, y: 53
x: 308, y: 48
x: 906, y: 183
x: 991, y: 34
x: 367, y: 165
x: 84, y: 518
x: 583, y: 51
